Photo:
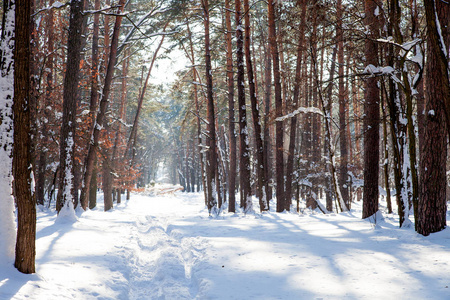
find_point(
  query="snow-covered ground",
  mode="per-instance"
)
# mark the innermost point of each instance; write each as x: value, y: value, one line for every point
x: 166, y: 247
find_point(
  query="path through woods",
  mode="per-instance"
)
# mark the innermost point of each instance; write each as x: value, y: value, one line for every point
x: 166, y: 247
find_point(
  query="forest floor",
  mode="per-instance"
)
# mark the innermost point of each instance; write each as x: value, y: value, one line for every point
x: 167, y: 247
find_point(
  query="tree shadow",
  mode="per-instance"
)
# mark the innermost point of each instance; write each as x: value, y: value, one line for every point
x: 338, y: 248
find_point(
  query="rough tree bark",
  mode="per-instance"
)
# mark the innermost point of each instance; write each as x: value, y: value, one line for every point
x: 343, y: 169
x: 244, y: 151
x: 280, y: 190
x: 432, y: 191
x: 26, y: 206
x: 260, y: 163
x: 231, y: 118
x: 66, y: 192
x: 267, y: 122
x: 211, y: 154
x: 372, y: 116
x: 93, y: 106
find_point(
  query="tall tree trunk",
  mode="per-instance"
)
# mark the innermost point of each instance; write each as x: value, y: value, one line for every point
x: 231, y: 119
x: 420, y: 99
x: 21, y: 171
x: 267, y: 122
x: 260, y: 167
x: 93, y: 146
x: 280, y: 191
x: 397, y: 113
x: 197, y: 108
x: 244, y: 151
x: 93, y: 187
x: 327, y: 108
x: 432, y: 192
x: 211, y: 173
x: 66, y: 192
x: 94, y: 99
x: 298, y: 77
x: 386, y: 159
x: 343, y: 170
x: 326, y: 112
x: 122, y: 115
x: 107, y: 182
x: 372, y: 116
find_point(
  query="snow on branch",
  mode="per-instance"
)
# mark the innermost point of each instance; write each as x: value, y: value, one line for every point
x: 407, y: 46
x: 299, y: 110
x: 100, y: 11
x: 380, y: 71
x: 55, y: 5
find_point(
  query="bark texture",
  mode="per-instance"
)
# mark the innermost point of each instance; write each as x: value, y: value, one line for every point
x: 260, y: 163
x: 26, y: 206
x: 244, y: 151
x: 211, y: 154
x: 231, y: 117
x: 279, y: 161
x: 66, y: 190
x: 432, y: 208
x: 372, y: 116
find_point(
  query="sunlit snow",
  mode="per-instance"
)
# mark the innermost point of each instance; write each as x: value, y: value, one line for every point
x: 167, y: 247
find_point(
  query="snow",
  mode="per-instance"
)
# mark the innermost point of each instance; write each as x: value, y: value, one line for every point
x: 376, y: 13
x: 438, y: 27
x: 298, y: 111
x: 7, y: 232
x: 57, y: 4
x: 167, y: 247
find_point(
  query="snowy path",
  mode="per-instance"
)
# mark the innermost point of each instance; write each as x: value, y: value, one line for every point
x: 167, y: 247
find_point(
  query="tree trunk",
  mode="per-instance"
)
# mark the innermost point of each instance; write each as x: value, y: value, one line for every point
x: 26, y: 206
x: 298, y: 77
x: 280, y: 191
x: 244, y: 151
x: 107, y: 183
x: 343, y: 170
x: 231, y: 118
x: 66, y: 192
x: 93, y: 187
x: 432, y: 192
x: 118, y: 161
x: 211, y: 173
x: 386, y: 160
x: 260, y: 167
x: 267, y: 125
x: 372, y: 116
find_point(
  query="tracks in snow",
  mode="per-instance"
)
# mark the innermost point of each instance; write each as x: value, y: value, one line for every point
x: 163, y: 263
